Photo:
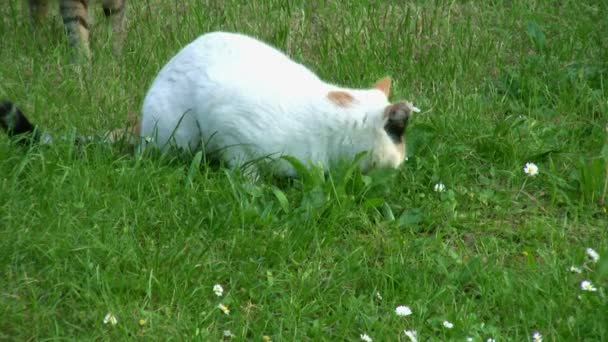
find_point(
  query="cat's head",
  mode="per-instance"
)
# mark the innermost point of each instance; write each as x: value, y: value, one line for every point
x: 389, y: 150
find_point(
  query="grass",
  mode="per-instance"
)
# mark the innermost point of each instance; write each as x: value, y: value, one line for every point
x: 501, y: 83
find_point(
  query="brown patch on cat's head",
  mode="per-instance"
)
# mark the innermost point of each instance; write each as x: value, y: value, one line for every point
x: 384, y: 85
x: 340, y: 98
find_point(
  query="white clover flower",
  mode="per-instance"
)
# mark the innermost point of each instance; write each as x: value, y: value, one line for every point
x: 448, y: 324
x: 531, y: 169
x: 218, y: 290
x: 575, y: 269
x: 592, y: 254
x: 110, y: 318
x: 412, y: 334
x: 439, y: 187
x: 403, y: 310
x: 228, y: 333
x: 224, y: 308
x: 586, y: 285
x: 365, y: 337
x: 537, y: 337
x: 410, y: 106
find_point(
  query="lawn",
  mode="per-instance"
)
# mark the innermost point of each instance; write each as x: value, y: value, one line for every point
x: 93, y: 230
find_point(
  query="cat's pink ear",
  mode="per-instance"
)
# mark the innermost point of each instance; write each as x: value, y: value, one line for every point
x: 384, y: 85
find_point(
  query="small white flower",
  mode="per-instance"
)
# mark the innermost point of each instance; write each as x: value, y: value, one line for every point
x: 412, y: 334
x: 575, y: 269
x: 469, y: 339
x: 448, y: 324
x: 412, y: 108
x: 110, y: 318
x: 228, y: 333
x: 537, y: 337
x: 592, y: 254
x: 378, y: 295
x: 218, y: 290
x: 403, y: 310
x: 439, y: 187
x: 365, y: 337
x: 490, y: 340
x: 587, y: 286
x: 531, y: 169
x: 224, y: 308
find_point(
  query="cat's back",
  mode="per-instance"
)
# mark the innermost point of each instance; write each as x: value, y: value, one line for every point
x: 229, y: 83
x: 239, y: 62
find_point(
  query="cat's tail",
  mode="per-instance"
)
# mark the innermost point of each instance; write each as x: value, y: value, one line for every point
x: 17, y: 125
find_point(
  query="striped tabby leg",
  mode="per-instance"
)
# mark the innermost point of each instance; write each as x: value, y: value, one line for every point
x: 76, y: 20
x: 39, y: 10
x: 115, y: 10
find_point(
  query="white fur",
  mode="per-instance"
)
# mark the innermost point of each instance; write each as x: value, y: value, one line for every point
x: 233, y: 93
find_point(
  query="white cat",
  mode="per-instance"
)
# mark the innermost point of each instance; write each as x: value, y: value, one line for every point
x: 232, y: 93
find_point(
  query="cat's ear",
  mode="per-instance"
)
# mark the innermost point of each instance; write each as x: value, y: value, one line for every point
x: 384, y: 85
x: 397, y: 116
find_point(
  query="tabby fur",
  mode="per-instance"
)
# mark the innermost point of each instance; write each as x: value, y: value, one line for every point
x: 76, y: 19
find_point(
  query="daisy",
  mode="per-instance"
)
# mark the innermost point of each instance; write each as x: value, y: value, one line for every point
x: 228, y: 333
x: 587, y: 286
x: 537, y: 337
x: 592, y: 254
x: 575, y: 269
x: 365, y: 337
x: 439, y: 187
x: 224, y: 308
x: 110, y: 318
x: 531, y: 169
x: 412, y: 334
x: 218, y: 290
x: 403, y: 310
x: 448, y: 325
